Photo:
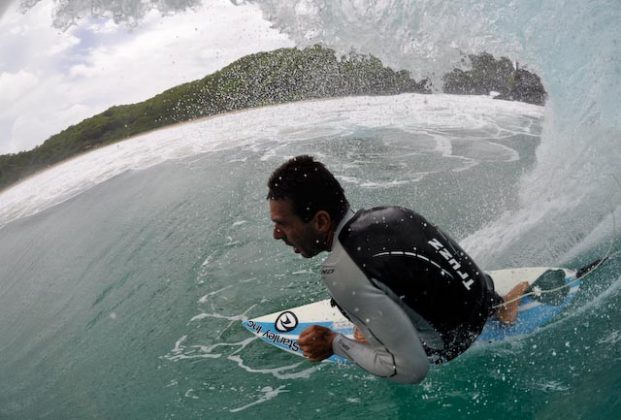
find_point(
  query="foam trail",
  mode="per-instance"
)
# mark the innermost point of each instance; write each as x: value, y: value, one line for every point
x: 613, y: 338
x: 206, y: 297
x: 204, y: 315
x: 277, y: 372
x: 268, y: 394
x: 205, y: 352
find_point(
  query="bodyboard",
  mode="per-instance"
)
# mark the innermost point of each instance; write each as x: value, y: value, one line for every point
x: 550, y: 291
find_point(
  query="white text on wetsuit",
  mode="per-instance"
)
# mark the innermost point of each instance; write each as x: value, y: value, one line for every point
x: 466, y: 280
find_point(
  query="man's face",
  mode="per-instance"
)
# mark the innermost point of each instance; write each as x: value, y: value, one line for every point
x: 305, y: 239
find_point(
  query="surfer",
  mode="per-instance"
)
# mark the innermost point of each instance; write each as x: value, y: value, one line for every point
x: 414, y: 295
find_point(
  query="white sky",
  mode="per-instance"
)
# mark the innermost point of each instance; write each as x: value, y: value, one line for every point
x: 50, y: 79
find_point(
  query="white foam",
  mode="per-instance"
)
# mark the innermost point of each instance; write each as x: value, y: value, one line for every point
x: 178, y: 345
x: 551, y: 386
x: 197, y: 351
x: 613, y: 338
x: 268, y: 394
x: 388, y: 184
x: 276, y: 372
x: 204, y: 298
x: 190, y: 394
x: 240, y: 317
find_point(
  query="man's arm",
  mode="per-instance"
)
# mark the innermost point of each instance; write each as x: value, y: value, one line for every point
x: 393, y: 349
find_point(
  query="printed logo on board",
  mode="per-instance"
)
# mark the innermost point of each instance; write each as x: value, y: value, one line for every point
x: 286, y: 321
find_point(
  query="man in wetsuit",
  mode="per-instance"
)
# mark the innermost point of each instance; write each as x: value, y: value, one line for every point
x: 414, y: 295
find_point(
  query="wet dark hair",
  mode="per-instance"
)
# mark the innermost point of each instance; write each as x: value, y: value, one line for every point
x: 310, y: 186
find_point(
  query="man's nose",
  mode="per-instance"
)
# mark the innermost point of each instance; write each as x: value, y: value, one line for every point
x: 277, y: 233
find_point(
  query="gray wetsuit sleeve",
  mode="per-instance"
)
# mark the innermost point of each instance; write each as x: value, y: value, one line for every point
x: 394, y: 349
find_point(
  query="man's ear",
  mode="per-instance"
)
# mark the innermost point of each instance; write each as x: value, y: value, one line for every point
x: 323, y: 221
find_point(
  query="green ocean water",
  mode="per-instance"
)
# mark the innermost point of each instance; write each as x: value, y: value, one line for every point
x: 124, y: 301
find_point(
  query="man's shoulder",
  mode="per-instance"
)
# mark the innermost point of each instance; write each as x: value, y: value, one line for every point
x: 383, y: 215
x: 381, y: 227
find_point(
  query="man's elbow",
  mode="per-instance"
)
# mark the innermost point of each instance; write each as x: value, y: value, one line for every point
x: 411, y: 374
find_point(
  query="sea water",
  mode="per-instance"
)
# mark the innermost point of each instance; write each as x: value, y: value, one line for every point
x: 124, y: 273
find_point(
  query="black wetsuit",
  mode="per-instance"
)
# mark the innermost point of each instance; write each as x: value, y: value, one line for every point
x: 412, y: 291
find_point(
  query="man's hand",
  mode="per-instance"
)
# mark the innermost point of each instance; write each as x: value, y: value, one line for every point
x: 359, y: 337
x: 316, y: 343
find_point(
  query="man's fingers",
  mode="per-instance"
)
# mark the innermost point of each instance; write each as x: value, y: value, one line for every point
x: 311, y: 334
x: 307, y: 339
x: 315, y: 343
x: 307, y: 332
x: 313, y: 357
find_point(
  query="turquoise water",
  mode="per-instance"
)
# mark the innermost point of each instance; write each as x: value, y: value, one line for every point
x: 124, y: 273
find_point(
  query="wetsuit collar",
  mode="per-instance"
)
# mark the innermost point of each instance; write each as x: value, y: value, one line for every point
x: 348, y: 215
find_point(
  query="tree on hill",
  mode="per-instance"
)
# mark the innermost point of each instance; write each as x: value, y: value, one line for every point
x: 489, y: 74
